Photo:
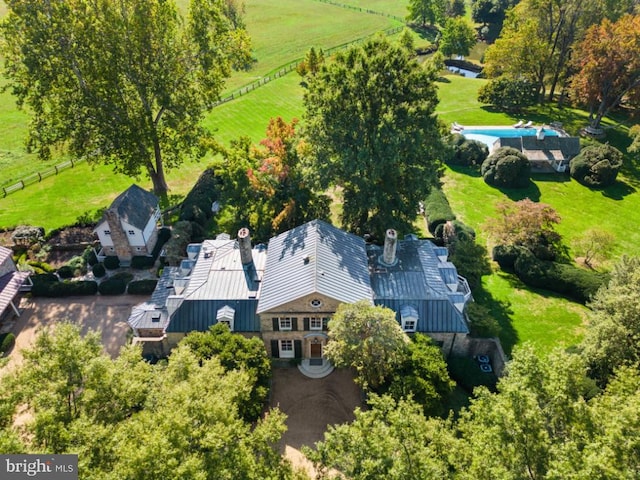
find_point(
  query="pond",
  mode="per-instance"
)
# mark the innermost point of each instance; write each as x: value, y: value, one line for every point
x: 463, y: 71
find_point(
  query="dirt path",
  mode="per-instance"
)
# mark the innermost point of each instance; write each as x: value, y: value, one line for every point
x: 311, y: 406
x: 108, y: 314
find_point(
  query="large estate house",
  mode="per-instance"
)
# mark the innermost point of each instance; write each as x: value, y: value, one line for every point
x: 286, y: 292
x: 129, y: 226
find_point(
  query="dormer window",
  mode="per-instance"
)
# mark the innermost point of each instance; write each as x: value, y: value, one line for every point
x: 107, y: 232
x: 408, y: 318
x: 226, y: 315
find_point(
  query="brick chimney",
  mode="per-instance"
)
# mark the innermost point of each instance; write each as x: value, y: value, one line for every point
x: 118, y: 236
x: 244, y: 243
x: 390, y: 244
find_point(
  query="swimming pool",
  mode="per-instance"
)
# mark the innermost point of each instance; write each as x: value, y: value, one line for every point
x: 509, y: 132
x: 489, y: 135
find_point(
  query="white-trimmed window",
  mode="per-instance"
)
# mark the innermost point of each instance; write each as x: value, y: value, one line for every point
x: 107, y: 232
x: 316, y: 303
x: 408, y: 318
x: 284, y: 323
x: 315, y: 323
x: 226, y: 315
x: 132, y: 232
x: 286, y: 349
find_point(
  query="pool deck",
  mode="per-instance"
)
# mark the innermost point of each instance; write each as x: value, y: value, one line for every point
x: 556, y: 127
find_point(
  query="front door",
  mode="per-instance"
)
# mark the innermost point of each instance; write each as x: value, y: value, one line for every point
x: 316, y: 350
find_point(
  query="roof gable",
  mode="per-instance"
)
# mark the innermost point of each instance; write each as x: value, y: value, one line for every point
x: 315, y: 257
x: 135, y: 206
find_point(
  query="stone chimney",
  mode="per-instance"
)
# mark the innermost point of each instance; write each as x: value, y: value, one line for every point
x: 244, y: 243
x: 118, y: 236
x: 390, y: 245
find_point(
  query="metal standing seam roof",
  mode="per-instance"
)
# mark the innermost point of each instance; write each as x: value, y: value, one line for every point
x: 219, y: 279
x: 135, y: 206
x: 419, y: 279
x: 144, y: 315
x: 315, y: 257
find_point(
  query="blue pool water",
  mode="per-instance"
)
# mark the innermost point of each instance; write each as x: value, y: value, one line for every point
x: 489, y: 135
x: 508, y: 132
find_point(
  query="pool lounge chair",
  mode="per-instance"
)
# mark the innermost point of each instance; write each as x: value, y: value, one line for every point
x: 529, y: 124
x: 518, y: 125
x: 457, y: 126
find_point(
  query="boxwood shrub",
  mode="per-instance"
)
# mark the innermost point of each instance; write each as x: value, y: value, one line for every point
x: 98, y: 270
x: 565, y: 279
x: 112, y: 286
x: 63, y: 289
x: 90, y: 256
x: 142, y: 262
x: 506, y: 255
x: 7, y: 340
x: 65, y: 271
x: 506, y: 167
x: 596, y: 165
x: 111, y: 262
x: 44, y: 278
x: 142, y: 287
x: 437, y: 209
x: 465, y: 152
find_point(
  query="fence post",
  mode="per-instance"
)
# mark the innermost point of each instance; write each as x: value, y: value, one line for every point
x: 39, y: 177
x: 4, y: 191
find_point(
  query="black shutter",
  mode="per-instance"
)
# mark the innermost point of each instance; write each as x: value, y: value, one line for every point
x: 306, y: 323
x: 276, y: 324
x: 325, y: 324
x: 294, y: 324
x: 297, y: 348
x: 275, y: 351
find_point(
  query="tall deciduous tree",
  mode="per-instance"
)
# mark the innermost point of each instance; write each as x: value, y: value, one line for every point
x: 431, y: 11
x: 390, y: 440
x: 458, y: 36
x: 372, y: 131
x: 267, y: 187
x: 608, y: 64
x: 367, y: 338
x: 125, y: 83
x: 613, y: 337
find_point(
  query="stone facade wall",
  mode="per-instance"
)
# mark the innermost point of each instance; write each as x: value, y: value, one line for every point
x: 119, y: 236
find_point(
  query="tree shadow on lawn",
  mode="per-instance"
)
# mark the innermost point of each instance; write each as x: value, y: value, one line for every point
x: 618, y: 190
x: 551, y: 177
x: 501, y: 311
x: 531, y: 191
x: 473, y: 172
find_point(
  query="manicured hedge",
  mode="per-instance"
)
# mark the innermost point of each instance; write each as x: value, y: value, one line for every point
x: 142, y: 287
x: 65, y: 272
x: 437, y: 209
x: 506, y: 256
x: 111, y: 262
x: 465, y: 152
x: 506, y: 167
x: 7, y: 340
x: 44, y: 278
x: 41, y: 267
x: 461, y: 230
x: 63, y: 289
x: 142, y: 262
x: 112, y: 286
x: 565, y: 279
x: 90, y: 256
x: 597, y: 165
x: 98, y: 270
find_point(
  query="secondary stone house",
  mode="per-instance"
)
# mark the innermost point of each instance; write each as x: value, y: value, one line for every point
x: 129, y: 226
x: 286, y: 292
x: 545, y: 153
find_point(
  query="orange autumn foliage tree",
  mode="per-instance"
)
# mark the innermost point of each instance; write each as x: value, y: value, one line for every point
x: 608, y: 67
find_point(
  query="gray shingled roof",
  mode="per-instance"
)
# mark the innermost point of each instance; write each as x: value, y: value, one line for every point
x: 135, y: 206
x: 10, y: 284
x: 549, y: 148
x: 315, y: 258
x: 419, y: 280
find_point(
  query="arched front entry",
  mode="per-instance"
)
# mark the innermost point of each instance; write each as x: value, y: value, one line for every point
x: 314, y: 344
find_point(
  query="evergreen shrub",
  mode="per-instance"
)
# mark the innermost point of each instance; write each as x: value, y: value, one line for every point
x: 111, y: 262
x: 7, y: 340
x: 142, y: 287
x: 98, y: 270
x: 64, y: 289
x: 437, y: 209
x: 506, y: 167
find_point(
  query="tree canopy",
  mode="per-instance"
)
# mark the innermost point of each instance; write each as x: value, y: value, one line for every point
x: 117, y: 415
x: 458, y: 36
x: 608, y: 67
x: 506, y: 167
x: 125, y: 83
x: 371, y: 130
x: 367, y: 338
x: 267, y: 187
x: 424, y: 11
